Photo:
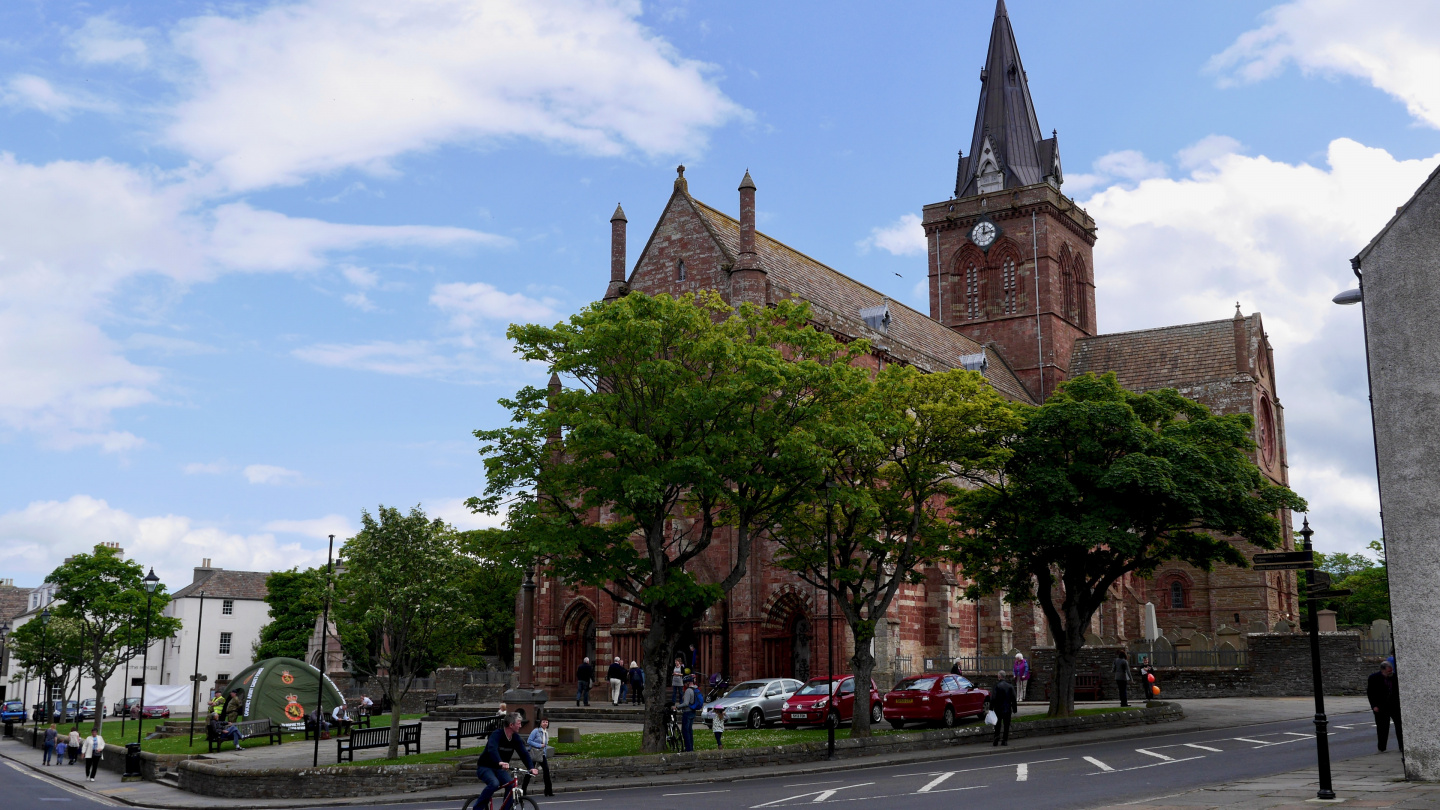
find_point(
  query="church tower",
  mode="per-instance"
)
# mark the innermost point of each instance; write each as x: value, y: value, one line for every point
x: 1010, y: 256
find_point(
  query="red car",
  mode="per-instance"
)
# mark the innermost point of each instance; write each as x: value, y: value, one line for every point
x: 934, y: 697
x: 810, y: 706
x: 155, y: 711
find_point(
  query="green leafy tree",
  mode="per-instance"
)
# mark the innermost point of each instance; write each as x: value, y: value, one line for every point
x: 103, y: 594
x: 53, y: 655
x: 295, y: 598
x: 1366, y: 579
x: 398, y: 601
x: 689, y: 417
x: 1103, y: 483
x: 898, y: 450
x: 491, y: 589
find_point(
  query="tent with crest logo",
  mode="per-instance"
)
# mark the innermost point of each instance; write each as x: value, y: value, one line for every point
x: 284, y: 690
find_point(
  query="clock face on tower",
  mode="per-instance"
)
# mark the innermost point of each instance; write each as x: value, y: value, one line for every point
x: 984, y: 233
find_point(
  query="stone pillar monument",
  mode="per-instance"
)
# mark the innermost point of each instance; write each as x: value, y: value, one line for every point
x: 525, y: 698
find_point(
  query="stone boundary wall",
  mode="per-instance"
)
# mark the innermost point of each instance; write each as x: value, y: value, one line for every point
x: 311, y: 783
x: 1278, y: 665
x: 153, y: 767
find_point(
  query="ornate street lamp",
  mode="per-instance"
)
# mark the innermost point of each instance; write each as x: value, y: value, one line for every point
x: 151, y: 582
x: 45, y: 702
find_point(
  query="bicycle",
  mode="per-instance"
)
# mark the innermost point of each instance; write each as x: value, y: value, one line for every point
x: 514, y: 794
x: 674, y: 738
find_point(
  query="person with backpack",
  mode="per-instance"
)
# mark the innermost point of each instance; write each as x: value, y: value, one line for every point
x: 692, y: 700
x: 637, y: 683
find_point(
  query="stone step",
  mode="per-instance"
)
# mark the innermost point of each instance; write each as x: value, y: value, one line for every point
x: 598, y: 714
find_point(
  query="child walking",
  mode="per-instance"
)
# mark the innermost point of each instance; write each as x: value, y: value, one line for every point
x: 717, y: 725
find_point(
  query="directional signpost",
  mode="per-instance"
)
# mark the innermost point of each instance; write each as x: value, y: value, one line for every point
x: 1285, y: 561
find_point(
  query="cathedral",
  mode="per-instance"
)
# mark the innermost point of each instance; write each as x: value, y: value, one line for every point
x: 1011, y: 295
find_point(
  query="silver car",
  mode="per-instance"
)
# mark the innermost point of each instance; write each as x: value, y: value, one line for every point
x: 754, y: 703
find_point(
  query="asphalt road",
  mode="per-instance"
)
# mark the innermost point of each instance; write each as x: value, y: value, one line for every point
x: 21, y: 788
x: 1077, y: 776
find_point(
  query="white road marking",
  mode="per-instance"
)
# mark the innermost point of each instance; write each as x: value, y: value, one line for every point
x: 808, y: 784
x: 1203, y: 747
x: 1298, y: 734
x: 1153, y: 754
x: 968, y: 770
x: 952, y: 790
x: 1022, y: 772
x: 1151, y: 765
x: 570, y: 801
x: 1345, y: 727
x: 1097, y: 763
x: 693, y: 793
x: 1247, y: 739
x: 820, y: 796
x: 929, y: 786
x: 94, y: 797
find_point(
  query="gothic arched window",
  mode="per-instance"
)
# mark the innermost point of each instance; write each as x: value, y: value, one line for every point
x: 1082, y: 309
x: 972, y: 292
x: 1177, y: 595
x: 680, y: 270
x: 1008, y: 286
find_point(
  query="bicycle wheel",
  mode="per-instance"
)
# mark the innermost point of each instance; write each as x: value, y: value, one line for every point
x: 528, y: 804
x: 472, y: 804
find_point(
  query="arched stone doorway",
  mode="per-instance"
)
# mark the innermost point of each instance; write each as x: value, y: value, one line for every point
x: 785, y: 643
x: 577, y: 640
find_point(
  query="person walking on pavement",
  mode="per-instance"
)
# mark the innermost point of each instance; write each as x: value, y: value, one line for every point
x: 539, y: 742
x: 72, y: 746
x: 1022, y: 676
x: 691, y: 696
x: 615, y: 674
x: 1004, y: 703
x: 90, y: 750
x: 51, y: 735
x: 584, y: 674
x: 1383, y: 689
x: 1122, y: 677
x: 637, y: 683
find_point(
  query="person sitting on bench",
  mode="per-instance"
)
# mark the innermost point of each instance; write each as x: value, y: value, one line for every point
x: 341, y: 719
x: 315, y: 721
x: 223, y: 731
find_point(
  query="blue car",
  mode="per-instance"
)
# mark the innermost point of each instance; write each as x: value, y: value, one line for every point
x: 13, y: 710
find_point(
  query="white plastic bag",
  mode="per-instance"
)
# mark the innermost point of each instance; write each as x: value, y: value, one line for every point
x: 990, y: 718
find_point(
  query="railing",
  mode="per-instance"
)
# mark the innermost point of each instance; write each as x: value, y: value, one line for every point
x: 1375, y: 646
x: 1197, y: 659
x: 901, y: 665
x: 986, y: 664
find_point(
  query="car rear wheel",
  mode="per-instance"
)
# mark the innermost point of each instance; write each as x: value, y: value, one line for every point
x: 984, y: 707
x: 756, y: 719
x: 876, y: 713
x: 948, y: 720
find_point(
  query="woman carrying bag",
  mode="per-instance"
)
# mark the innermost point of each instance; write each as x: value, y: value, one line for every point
x: 90, y: 750
x: 540, y: 751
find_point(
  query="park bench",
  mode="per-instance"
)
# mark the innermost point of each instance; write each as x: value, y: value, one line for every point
x: 248, y: 728
x: 332, y: 727
x: 1087, y: 685
x: 361, y: 738
x: 472, y: 727
x: 431, y: 704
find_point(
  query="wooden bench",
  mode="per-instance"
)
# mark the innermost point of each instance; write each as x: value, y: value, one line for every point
x: 332, y: 727
x: 248, y: 729
x: 345, y: 747
x: 1087, y: 685
x: 431, y: 704
x: 471, y: 727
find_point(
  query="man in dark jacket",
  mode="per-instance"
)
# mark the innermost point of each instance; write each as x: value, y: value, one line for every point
x: 1383, y: 689
x: 616, y: 675
x: 493, y: 768
x: 1003, y: 702
x: 1122, y: 677
x: 584, y: 674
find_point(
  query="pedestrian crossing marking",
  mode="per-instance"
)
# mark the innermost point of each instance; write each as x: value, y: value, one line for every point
x: 929, y: 786
x: 1204, y: 747
x: 1097, y: 763
x: 1153, y: 754
x: 1022, y: 772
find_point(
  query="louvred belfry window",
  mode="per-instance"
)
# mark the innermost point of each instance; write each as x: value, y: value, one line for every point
x: 972, y: 292
x: 1007, y: 286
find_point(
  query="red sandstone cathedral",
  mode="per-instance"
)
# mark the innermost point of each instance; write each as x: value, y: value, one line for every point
x: 1012, y: 295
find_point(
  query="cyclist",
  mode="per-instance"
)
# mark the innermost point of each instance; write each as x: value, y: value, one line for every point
x: 494, y: 765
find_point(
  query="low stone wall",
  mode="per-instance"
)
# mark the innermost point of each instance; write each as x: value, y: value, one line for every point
x: 621, y: 768
x: 311, y: 783
x: 473, y: 694
x: 153, y: 767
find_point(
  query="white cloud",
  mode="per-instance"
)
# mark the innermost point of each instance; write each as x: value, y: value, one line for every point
x: 360, y: 301
x: 1389, y: 43
x: 306, y: 88
x: 206, y: 468
x: 1206, y: 151
x: 1277, y: 237
x: 1126, y: 166
x: 167, y: 345
x: 270, y: 474
x: 32, y: 92
x: 103, y: 41
x: 904, y: 237
x: 319, y: 528
x: 36, y: 539
x: 469, y: 304
x: 361, y: 277
x: 457, y: 514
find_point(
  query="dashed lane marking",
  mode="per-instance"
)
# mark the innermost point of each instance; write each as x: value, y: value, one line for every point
x: 1203, y: 747
x: 1097, y: 763
x: 820, y: 795
x: 808, y: 784
x: 1022, y: 772
x: 1249, y: 740
x: 1298, y: 734
x: 1148, y: 752
x: 1142, y: 767
x: 933, y: 783
x: 695, y: 793
x: 968, y: 770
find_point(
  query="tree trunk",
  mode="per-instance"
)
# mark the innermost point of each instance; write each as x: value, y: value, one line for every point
x: 862, y: 664
x: 1067, y: 651
x: 660, y: 643
x: 394, y: 750
x: 99, y: 689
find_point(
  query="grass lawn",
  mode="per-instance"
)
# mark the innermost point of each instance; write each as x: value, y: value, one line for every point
x: 180, y: 744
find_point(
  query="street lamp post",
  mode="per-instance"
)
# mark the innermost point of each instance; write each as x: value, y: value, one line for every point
x: 1322, y: 739
x: 4, y: 652
x: 324, y: 644
x: 195, y: 678
x: 45, y: 670
x: 150, y: 581
x: 832, y: 716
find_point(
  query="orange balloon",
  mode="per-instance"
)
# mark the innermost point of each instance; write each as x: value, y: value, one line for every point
x: 1157, y: 690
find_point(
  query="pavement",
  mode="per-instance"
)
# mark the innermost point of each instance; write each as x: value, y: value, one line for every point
x: 1206, y: 762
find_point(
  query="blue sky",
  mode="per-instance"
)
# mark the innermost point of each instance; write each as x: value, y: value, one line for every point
x: 257, y: 259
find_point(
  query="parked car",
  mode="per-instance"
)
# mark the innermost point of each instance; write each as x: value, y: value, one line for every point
x: 124, y: 707
x: 155, y: 711
x: 934, y: 697
x: 811, y: 705
x: 754, y: 703
x: 87, y: 710
x: 61, y: 711
x: 14, y: 711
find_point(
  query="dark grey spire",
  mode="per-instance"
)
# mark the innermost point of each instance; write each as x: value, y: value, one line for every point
x: 1008, y: 149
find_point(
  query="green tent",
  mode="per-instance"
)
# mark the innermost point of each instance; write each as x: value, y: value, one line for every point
x: 284, y: 690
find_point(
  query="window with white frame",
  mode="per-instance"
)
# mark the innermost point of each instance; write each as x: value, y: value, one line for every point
x: 227, y: 607
x: 225, y: 643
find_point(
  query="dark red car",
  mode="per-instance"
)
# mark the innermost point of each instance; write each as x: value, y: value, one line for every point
x: 156, y: 711
x: 811, y: 705
x: 934, y: 697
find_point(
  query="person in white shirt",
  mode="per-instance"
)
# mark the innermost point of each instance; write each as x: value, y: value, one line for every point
x: 717, y: 725
x: 90, y: 750
x: 366, y: 704
x: 341, y: 718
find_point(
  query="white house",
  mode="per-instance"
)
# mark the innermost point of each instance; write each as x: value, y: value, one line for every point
x: 221, y: 613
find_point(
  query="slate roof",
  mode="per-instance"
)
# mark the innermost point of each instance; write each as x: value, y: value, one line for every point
x: 13, y: 601
x: 1168, y: 357
x: 836, y: 300
x: 222, y: 584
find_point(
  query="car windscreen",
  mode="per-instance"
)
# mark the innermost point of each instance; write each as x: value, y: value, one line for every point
x: 746, y: 690
x: 916, y: 684
x: 817, y: 687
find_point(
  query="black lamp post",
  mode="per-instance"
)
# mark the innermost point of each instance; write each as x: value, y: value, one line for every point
x: 150, y: 582
x: 4, y: 651
x: 195, y: 678
x: 45, y: 670
x: 830, y: 710
x: 324, y: 644
x: 1322, y: 738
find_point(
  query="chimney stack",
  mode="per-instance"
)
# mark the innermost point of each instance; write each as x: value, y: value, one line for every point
x: 617, y: 255
x: 748, y: 280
